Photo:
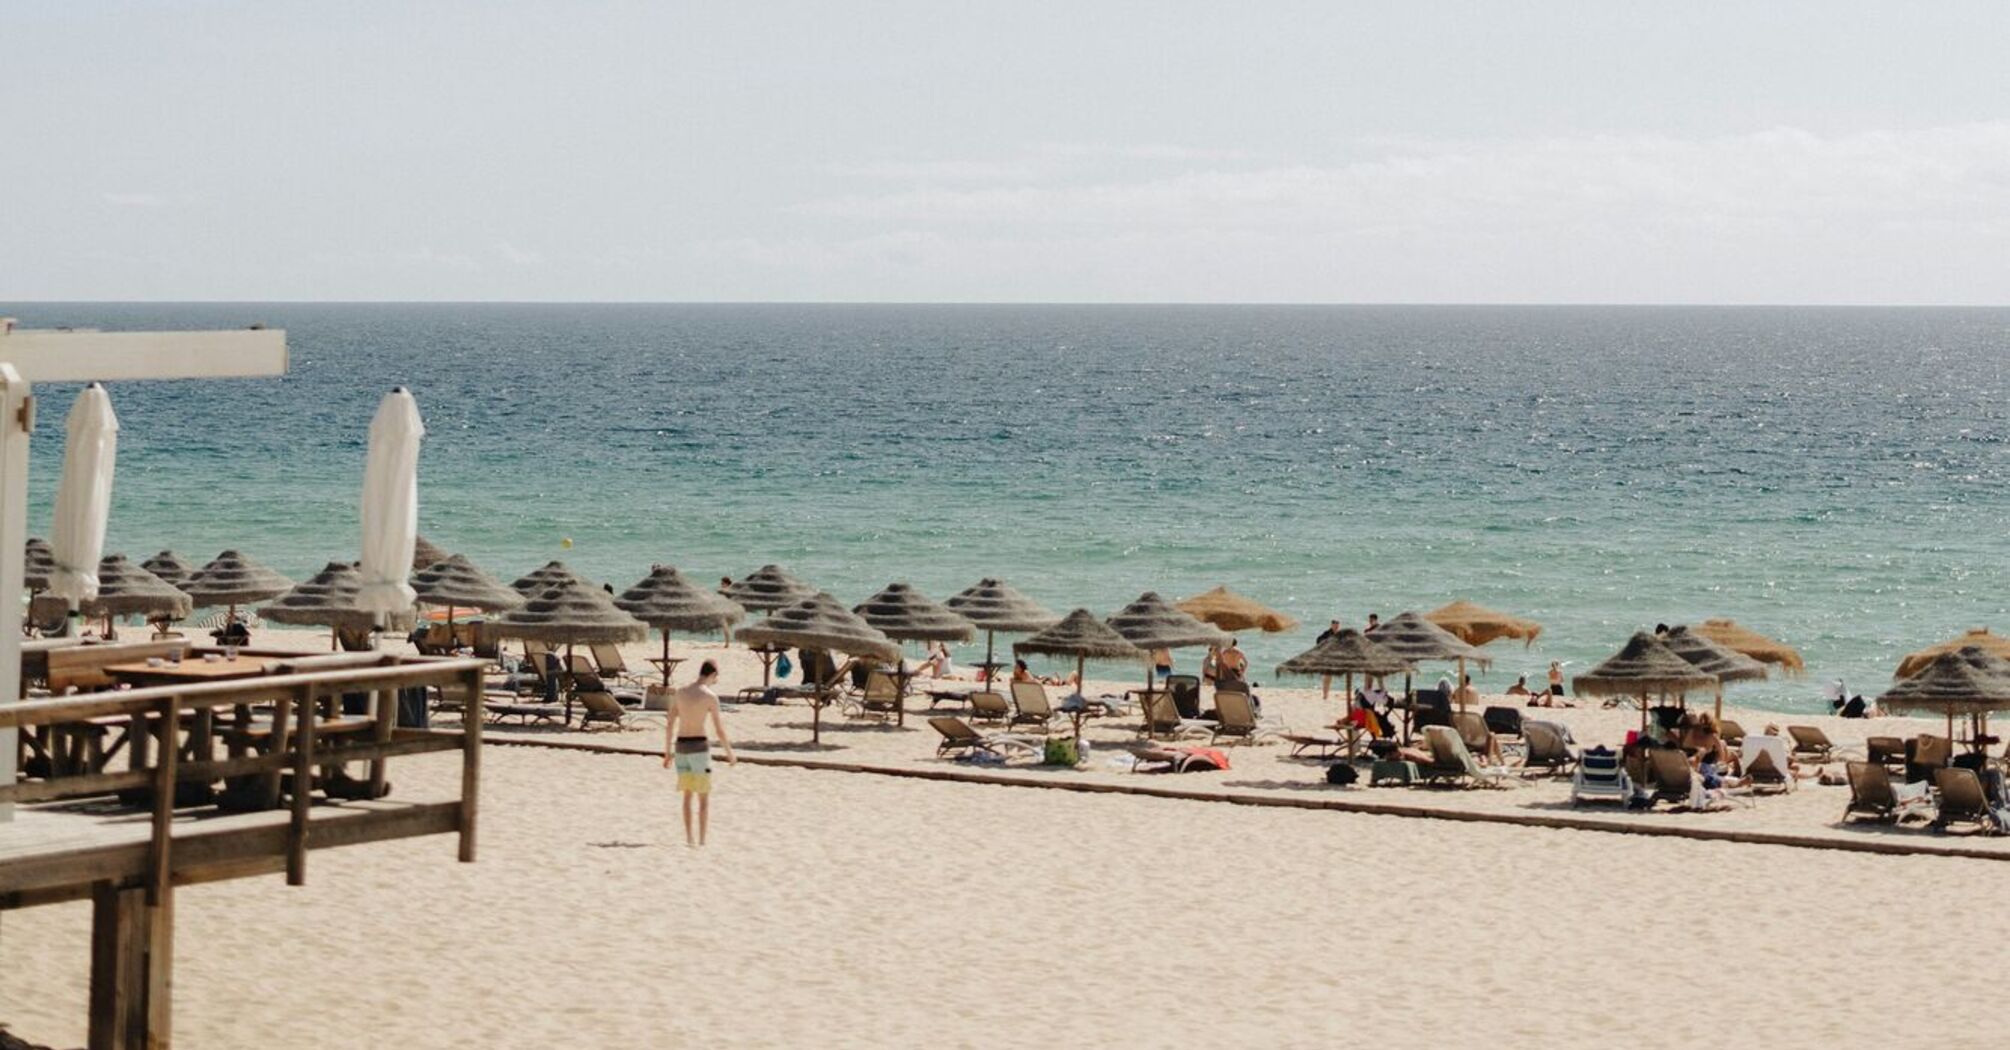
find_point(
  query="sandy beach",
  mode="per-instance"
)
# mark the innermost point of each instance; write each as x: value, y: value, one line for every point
x: 848, y: 908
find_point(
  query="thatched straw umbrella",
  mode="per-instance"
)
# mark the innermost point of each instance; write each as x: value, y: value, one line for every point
x: 1080, y: 635
x: 1996, y: 645
x: 1477, y: 625
x: 820, y: 622
x: 1740, y: 639
x: 571, y: 612
x: 454, y: 583
x: 994, y: 605
x: 233, y: 579
x: 1235, y: 612
x: 907, y: 615
x: 38, y: 562
x: 124, y: 589
x: 425, y: 552
x: 1727, y: 664
x: 1970, y: 680
x: 1151, y: 623
x: 170, y: 567
x: 667, y: 601
x: 545, y: 577
x: 1642, y: 667
x: 328, y: 600
x: 1420, y: 641
x: 767, y: 589
x: 1348, y: 653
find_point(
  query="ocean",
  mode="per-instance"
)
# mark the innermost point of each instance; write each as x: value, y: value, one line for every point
x: 1838, y: 478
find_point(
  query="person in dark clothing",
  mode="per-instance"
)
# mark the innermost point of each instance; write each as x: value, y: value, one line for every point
x: 1332, y: 630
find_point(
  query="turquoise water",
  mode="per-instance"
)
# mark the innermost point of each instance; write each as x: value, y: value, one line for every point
x: 1836, y: 477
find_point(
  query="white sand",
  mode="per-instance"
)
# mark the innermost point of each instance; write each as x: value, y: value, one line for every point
x: 856, y: 909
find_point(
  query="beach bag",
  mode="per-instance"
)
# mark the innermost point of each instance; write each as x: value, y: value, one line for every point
x: 783, y: 666
x: 1061, y: 751
x: 1342, y: 773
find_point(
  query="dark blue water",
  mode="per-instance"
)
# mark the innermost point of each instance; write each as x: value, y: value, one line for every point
x: 1836, y: 477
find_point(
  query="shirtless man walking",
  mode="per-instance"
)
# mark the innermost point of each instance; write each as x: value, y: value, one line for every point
x: 689, y: 751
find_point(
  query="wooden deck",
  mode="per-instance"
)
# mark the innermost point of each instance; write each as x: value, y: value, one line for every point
x: 73, y: 838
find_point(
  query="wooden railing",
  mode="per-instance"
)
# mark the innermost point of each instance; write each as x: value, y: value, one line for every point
x: 293, y: 748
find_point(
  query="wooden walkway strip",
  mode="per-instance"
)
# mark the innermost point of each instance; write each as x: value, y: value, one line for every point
x: 1884, y: 845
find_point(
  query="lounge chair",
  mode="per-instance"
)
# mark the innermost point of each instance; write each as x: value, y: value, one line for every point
x: 1032, y: 708
x: 1451, y: 761
x: 1473, y: 730
x: 1548, y: 753
x: 1886, y: 751
x: 1600, y: 777
x: 608, y: 662
x: 987, y: 706
x: 1237, y: 718
x: 1764, y: 760
x: 599, y: 707
x: 1872, y: 794
x: 1962, y: 800
x: 961, y: 738
x: 879, y: 698
x: 1811, y: 742
x: 1929, y: 752
x: 1185, y: 692
x: 1671, y: 777
x: 1162, y: 719
x: 1732, y: 733
x: 1502, y: 721
x: 591, y: 682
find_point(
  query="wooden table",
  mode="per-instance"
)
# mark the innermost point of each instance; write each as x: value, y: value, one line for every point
x: 190, y: 671
x: 667, y: 665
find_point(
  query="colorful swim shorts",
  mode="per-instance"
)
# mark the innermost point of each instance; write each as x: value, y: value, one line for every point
x: 694, y: 769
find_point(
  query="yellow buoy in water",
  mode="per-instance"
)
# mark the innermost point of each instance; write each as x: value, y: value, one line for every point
x: 565, y: 543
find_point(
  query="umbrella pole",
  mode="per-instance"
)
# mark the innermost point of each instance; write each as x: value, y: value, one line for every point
x: 1326, y: 687
x: 666, y: 657
x: 990, y: 672
x: 1720, y: 701
x: 1347, y: 719
x: 1462, y: 685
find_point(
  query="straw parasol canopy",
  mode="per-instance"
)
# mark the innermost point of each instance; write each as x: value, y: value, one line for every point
x: 539, y: 580
x: 571, y: 612
x: 821, y: 622
x: 1349, y: 652
x: 1079, y: 634
x: 1968, y: 680
x: 39, y: 562
x: 1477, y: 625
x: 1740, y: 639
x: 425, y: 552
x: 994, y: 605
x: 1151, y: 622
x: 329, y: 599
x: 907, y: 615
x: 125, y: 589
x: 1996, y: 645
x: 667, y: 601
x: 455, y: 582
x: 1705, y: 655
x: 169, y: 566
x: 1235, y: 612
x: 769, y: 588
x: 234, y: 579
x: 1643, y: 666
x: 1420, y: 641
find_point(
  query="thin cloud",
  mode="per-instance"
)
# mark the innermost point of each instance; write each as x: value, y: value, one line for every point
x: 134, y: 200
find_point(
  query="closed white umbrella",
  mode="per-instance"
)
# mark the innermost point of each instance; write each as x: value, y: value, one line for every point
x: 391, y: 506
x: 83, y: 497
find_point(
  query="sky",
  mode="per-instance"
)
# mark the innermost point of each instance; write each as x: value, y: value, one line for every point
x: 1597, y: 152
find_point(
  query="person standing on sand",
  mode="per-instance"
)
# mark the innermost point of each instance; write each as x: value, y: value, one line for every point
x: 689, y: 751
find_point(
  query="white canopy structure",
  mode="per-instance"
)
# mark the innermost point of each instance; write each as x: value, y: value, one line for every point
x: 28, y: 357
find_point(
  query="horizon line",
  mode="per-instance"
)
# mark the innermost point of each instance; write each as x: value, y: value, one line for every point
x: 1008, y: 302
